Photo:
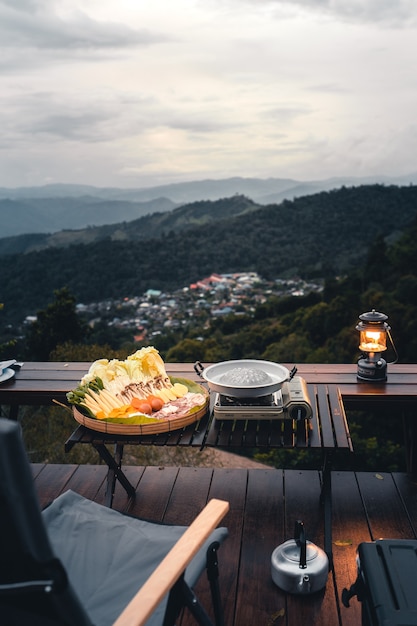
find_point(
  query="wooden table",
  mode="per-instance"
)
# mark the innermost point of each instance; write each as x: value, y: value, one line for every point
x: 332, y: 388
x: 39, y: 383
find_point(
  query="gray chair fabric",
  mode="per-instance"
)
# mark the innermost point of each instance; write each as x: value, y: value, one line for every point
x: 108, y: 556
x: 98, y: 558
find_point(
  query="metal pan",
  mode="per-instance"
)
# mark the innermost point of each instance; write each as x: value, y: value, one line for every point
x: 244, y: 378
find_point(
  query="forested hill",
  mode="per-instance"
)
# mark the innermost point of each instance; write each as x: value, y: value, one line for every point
x: 324, y: 234
x: 150, y: 226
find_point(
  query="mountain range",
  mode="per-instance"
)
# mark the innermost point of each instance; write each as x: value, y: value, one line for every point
x: 49, y: 215
x: 325, y: 234
x: 151, y: 226
x: 52, y: 208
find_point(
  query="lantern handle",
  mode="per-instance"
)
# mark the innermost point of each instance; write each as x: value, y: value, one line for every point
x: 393, y: 345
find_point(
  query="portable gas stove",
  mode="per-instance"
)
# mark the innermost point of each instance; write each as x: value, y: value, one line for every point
x: 290, y: 402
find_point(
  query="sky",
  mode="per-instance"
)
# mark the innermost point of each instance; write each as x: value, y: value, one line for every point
x: 135, y: 93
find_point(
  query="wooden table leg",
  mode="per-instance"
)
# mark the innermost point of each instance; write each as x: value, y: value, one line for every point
x: 326, y: 501
x: 410, y: 441
x: 114, y: 463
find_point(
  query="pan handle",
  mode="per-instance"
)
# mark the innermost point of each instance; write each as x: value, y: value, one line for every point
x: 199, y: 369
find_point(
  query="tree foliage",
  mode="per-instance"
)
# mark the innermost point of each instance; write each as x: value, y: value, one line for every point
x: 57, y: 324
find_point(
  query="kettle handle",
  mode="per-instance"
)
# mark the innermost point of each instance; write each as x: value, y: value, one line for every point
x: 300, y: 538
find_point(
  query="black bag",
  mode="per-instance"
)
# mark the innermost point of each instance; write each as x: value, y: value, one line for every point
x: 387, y: 583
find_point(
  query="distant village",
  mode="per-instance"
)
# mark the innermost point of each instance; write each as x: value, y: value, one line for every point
x: 156, y: 312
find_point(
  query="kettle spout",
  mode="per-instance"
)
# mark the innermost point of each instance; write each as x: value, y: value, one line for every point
x: 304, y: 585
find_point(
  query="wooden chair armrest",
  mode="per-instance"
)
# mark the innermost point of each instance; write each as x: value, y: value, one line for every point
x: 142, y: 605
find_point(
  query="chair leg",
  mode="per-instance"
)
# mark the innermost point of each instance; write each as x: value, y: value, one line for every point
x: 213, y: 577
x: 175, y: 603
x: 195, y: 607
x: 182, y: 595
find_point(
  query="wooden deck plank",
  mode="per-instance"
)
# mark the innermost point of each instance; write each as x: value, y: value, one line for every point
x: 189, y: 495
x: 350, y: 528
x: 263, y: 507
x: 153, y: 492
x: 407, y: 491
x: 259, y: 601
x: 88, y: 480
x: 385, y: 521
x: 230, y: 485
x: 302, y: 495
x: 36, y: 468
x: 52, y: 480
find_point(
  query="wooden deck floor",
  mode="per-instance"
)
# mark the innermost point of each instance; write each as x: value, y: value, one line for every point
x: 264, y: 505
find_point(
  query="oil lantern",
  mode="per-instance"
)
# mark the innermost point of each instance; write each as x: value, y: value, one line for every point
x: 373, y: 329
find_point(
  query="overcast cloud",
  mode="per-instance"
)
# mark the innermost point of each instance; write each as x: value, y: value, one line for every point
x: 131, y: 93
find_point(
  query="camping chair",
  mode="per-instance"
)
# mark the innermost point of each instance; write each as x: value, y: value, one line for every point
x: 78, y: 563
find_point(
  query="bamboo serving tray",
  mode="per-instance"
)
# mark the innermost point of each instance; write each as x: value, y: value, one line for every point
x: 164, y: 425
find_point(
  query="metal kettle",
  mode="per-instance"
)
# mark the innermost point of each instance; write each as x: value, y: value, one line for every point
x: 299, y: 566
